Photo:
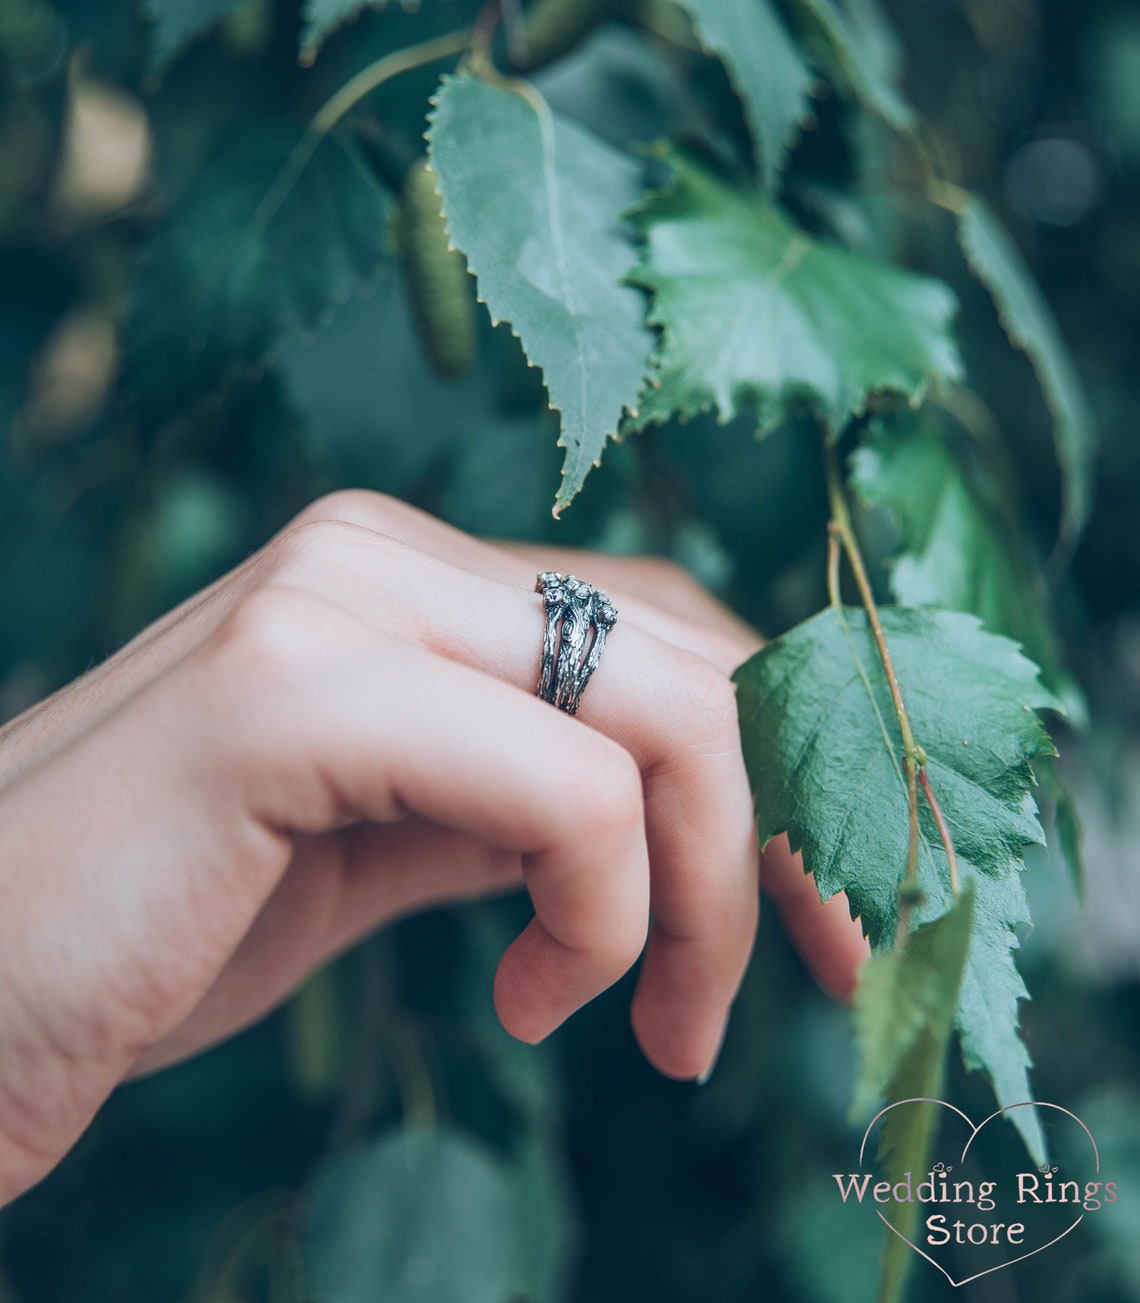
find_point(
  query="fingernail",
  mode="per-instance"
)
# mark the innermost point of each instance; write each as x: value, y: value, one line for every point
x: 702, y: 1080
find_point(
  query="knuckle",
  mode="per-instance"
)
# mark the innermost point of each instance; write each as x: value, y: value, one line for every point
x: 306, y: 541
x: 360, y: 507
x: 263, y: 641
x: 352, y: 505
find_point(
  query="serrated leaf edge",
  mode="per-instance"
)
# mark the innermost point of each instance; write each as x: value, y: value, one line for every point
x: 779, y: 404
x: 561, y: 500
x: 792, y: 136
x: 312, y: 41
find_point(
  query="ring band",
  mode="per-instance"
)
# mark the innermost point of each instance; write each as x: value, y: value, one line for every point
x: 569, y: 654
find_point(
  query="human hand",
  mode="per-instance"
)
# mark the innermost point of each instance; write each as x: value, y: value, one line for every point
x: 344, y: 730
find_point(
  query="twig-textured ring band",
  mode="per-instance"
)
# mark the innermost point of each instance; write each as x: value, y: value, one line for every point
x: 578, y: 618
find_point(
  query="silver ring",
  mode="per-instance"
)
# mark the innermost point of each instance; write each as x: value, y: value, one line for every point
x: 570, y: 655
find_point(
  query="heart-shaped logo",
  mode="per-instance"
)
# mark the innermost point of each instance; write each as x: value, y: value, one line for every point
x: 1029, y: 1190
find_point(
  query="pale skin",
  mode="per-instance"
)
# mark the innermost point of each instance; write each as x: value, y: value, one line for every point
x: 342, y: 731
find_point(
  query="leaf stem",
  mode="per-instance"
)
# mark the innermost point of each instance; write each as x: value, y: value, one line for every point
x: 842, y: 532
x: 841, y: 528
x: 376, y: 74
x: 943, y: 829
x: 833, y: 569
x: 479, y: 63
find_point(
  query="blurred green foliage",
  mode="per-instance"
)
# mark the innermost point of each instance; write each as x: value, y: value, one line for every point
x: 130, y: 478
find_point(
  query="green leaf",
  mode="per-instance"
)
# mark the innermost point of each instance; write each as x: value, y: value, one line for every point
x: 243, y: 265
x: 431, y: 1216
x: 1028, y: 321
x: 319, y: 18
x: 859, y: 49
x: 904, y: 1013
x: 957, y: 548
x: 543, y: 1218
x: 765, y: 69
x: 904, y: 1010
x: 178, y: 22
x: 992, y: 988
x: 825, y: 760
x: 535, y: 202
x: 752, y: 310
